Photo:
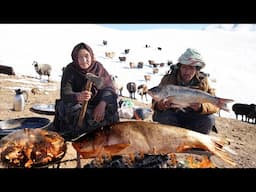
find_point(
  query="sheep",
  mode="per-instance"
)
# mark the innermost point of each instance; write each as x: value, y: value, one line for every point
x: 140, y: 65
x: 151, y: 62
x: 42, y: 69
x: 118, y: 86
x: 126, y: 51
x: 155, y: 70
x: 131, y: 87
x: 110, y: 55
x: 169, y: 62
x: 132, y: 65
x: 147, y: 77
x: 105, y: 42
x: 122, y: 58
x: 142, y: 90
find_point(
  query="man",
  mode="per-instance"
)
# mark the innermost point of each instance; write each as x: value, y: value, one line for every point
x: 197, y: 117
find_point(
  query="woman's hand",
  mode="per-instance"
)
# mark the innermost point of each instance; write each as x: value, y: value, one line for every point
x: 99, y: 111
x: 84, y: 96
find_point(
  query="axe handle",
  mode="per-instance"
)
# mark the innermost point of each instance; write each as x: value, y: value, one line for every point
x: 84, y: 105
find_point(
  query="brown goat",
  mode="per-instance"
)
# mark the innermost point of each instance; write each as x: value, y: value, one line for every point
x: 143, y: 90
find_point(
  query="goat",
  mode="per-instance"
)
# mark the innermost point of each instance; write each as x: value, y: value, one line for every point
x: 131, y: 87
x: 143, y: 90
x: 42, y: 69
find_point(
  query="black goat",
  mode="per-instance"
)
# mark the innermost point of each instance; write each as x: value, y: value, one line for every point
x: 131, y: 87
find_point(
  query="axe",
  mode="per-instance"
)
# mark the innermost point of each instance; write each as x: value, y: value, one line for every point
x: 91, y: 79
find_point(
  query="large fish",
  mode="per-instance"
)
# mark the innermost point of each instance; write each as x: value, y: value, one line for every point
x: 182, y: 97
x: 129, y: 137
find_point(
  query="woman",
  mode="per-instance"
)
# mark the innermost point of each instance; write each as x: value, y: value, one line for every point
x: 102, y: 103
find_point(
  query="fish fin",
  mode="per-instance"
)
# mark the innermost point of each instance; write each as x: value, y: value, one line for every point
x: 222, y: 103
x: 182, y: 148
x: 99, y: 151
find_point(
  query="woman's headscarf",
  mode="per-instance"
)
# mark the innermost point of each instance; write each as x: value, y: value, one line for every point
x: 95, y: 67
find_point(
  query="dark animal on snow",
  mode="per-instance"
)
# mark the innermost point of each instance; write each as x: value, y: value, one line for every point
x: 131, y: 87
x: 140, y: 65
x: 159, y: 48
x: 162, y: 64
x: 122, y: 58
x: 6, y: 70
x: 169, y: 62
x: 143, y: 90
x: 105, y: 42
x: 126, y: 51
x: 42, y: 69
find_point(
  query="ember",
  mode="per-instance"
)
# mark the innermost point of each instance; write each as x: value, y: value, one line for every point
x: 151, y: 161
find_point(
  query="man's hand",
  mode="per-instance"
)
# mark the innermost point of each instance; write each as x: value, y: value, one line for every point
x: 164, y: 104
x: 196, y: 107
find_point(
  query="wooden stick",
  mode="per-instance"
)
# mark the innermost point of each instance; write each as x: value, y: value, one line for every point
x: 84, y: 105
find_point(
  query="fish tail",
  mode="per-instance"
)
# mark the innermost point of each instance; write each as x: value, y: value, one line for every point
x: 222, y: 103
x: 222, y: 154
x: 220, y: 149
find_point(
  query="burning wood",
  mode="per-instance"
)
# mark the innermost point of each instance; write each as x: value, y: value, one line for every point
x: 151, y: 161
x: 31, y: 147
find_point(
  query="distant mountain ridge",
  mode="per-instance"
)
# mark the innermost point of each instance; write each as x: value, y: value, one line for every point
x: 231, y: 27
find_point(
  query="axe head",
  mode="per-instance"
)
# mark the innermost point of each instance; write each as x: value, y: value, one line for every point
x: 98, y: 81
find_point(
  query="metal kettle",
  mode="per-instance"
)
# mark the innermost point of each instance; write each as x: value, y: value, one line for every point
x: 19, y: 101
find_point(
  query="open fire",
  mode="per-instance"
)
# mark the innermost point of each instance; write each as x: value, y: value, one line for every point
x: 152, y: 161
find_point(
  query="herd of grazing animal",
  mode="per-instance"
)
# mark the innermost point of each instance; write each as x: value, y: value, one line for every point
x: 247, y: 112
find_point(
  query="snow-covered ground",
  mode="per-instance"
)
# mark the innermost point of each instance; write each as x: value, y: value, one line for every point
x: 229, y: 52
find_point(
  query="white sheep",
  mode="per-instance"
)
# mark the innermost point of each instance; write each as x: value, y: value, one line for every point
x: 42, y: 69
x: 118, y: 85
